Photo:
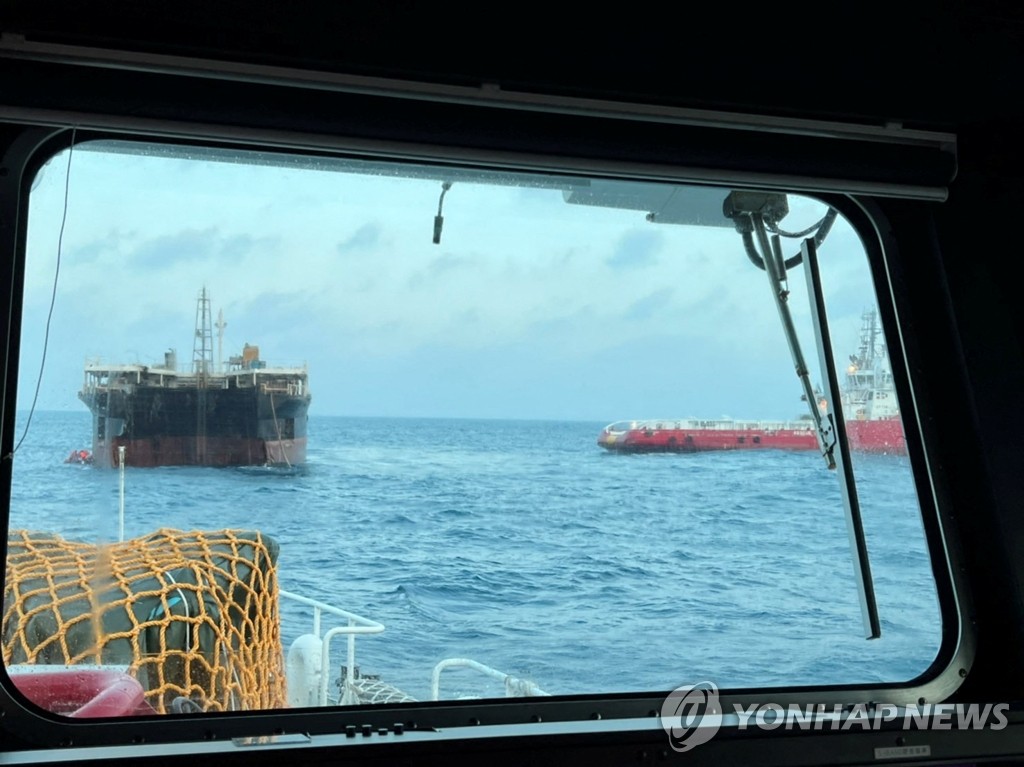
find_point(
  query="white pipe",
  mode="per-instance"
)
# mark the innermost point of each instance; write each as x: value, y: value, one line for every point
x: 511, y: 683
x: 120, y: 515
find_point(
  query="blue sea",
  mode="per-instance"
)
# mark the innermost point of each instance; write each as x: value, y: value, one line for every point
x: 526, y: 547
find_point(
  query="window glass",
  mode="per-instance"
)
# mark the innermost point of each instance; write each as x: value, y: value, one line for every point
x: 384, y: 390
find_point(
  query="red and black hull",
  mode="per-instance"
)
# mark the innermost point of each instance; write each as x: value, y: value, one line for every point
x: 229, y: 425
x: 206, y: 451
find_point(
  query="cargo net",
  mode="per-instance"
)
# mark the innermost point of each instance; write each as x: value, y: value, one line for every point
x: 192, y: 615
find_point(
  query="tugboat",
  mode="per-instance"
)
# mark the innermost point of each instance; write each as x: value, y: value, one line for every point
x: 873, y: 423
x: 242, y: 414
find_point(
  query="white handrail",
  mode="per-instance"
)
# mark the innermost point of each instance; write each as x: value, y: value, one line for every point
x: 719, y: 424
x: 357, y: 624
x: 514, y: 687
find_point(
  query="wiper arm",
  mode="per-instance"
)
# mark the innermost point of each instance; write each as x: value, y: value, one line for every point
x: 776, y: 270
x: 748, y: 211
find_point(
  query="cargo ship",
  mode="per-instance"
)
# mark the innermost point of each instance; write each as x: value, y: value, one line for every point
x: 873, y: 423
x: 243, y: 413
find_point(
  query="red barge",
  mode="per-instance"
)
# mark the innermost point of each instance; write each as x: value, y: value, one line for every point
x: 873, y: 423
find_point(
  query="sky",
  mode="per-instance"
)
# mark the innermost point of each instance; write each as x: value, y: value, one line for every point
x: 528, y: 308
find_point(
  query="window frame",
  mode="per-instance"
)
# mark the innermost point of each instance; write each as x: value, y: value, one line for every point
x: 570, y: 716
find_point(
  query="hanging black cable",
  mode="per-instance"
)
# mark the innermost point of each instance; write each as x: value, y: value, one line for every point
x: 823, y: 227
x: 53, y: 297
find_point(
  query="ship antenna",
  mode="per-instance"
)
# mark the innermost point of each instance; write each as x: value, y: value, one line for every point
x: 221, y: 324
x: 875, y: 332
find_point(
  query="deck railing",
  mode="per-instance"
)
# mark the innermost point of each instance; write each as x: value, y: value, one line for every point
x: 355, y: 625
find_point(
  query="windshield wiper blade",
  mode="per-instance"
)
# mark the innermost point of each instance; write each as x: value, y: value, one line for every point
x: 841, y: 447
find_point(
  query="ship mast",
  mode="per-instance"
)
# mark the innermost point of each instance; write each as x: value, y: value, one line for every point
x: 202, y: 364
x: 869, y: 333
x: 202, y: 345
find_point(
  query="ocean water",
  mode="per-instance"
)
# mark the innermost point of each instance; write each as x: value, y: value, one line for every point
x: 526, y: 547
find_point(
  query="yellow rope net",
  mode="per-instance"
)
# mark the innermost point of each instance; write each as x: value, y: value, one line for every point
x: 193, y: 615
